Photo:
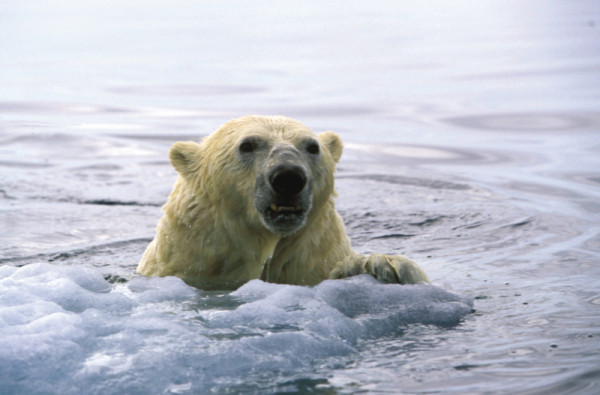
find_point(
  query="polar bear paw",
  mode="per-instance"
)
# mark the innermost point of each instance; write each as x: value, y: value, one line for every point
x: 393, y: 269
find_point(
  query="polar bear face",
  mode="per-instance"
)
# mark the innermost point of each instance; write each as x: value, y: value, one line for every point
x: 269, y: 172
x: 283, y: 189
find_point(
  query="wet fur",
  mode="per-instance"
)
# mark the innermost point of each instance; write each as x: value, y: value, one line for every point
x: 212, y: 236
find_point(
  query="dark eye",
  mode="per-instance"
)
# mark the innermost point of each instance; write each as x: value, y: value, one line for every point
x: 247, y: 146
x: 312, y: 148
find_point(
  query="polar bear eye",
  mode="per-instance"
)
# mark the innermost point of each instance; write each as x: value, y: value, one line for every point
x: 248, y: 146
x: 312, y: 148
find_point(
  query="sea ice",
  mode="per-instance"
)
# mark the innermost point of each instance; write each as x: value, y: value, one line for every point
x: 65, y: 329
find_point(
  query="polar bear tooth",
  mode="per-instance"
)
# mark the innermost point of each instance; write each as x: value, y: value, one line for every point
x: 279, y: 209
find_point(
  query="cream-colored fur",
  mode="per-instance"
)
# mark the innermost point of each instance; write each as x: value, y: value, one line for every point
x: 212, y: 236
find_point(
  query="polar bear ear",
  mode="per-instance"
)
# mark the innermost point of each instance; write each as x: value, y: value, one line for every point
x: 333, y: 143
x: 185, y: 157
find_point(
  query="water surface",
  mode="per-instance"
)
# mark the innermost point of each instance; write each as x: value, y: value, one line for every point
x: 472, y: 143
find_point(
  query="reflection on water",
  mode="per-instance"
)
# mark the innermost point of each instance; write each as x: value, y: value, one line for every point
x: 471, y: 145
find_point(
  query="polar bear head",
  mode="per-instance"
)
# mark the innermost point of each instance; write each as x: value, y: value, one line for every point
x: 269, y: 173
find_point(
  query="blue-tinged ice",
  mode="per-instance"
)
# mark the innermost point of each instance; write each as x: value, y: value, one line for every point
x: 65, y: 329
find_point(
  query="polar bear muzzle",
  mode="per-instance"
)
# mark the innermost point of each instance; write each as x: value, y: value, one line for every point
x: 283, y: 194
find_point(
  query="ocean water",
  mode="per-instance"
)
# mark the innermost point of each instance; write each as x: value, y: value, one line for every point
x: 472, y: 145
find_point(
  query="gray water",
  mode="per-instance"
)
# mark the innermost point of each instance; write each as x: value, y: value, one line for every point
x: 472, y: 134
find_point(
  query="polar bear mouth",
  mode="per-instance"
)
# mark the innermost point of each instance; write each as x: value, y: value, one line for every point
x: 284, y: 215
x: 284, y: 219
x: 285, y: 209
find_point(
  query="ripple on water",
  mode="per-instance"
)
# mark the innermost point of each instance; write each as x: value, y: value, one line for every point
x: 37, y: 108
x: 187, y: 89
x: 405, y: 180
x: 534, y: 122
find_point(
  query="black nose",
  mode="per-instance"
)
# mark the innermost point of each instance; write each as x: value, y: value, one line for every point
x: 287, y: 180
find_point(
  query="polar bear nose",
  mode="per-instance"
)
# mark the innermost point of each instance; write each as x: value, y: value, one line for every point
x: 287, y: 180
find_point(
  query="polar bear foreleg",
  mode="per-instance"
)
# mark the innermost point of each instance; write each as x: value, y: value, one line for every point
x: 396, y: 269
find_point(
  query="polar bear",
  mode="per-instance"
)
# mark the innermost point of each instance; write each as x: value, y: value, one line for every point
x: 255, y: 200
